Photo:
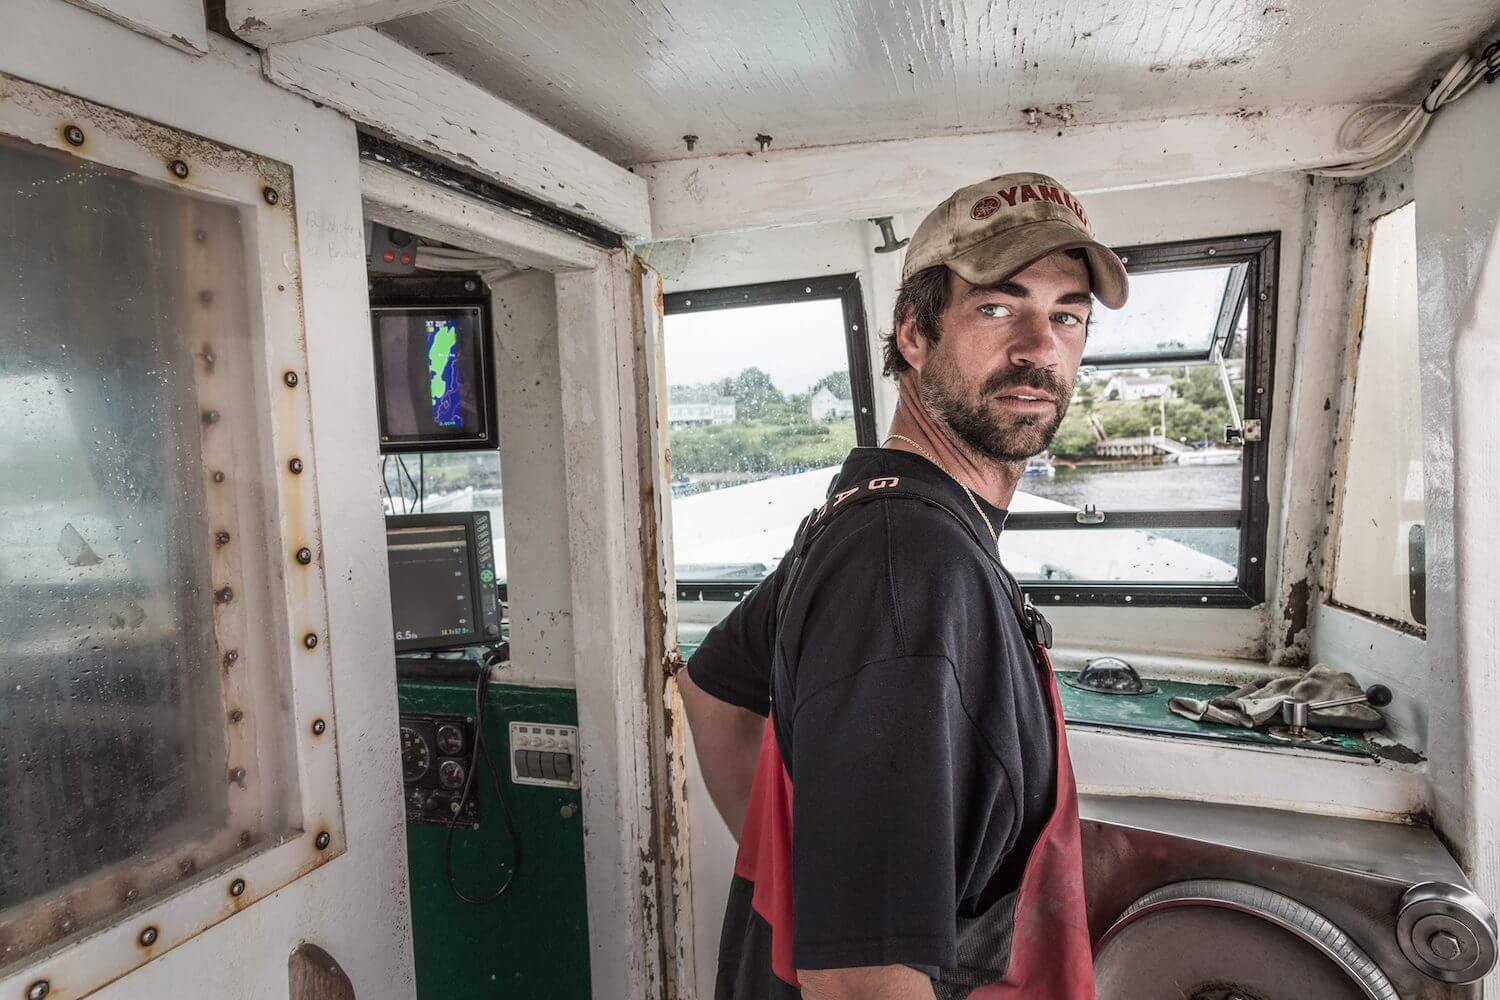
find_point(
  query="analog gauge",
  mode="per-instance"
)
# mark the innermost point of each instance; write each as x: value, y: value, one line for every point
x: 450, y: 774
x: 416, y: 755
x: 450, y: 740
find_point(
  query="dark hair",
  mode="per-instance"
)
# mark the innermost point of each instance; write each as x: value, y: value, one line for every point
x: 923, y: 297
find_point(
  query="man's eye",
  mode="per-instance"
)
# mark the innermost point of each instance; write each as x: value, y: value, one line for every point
x: 1067, y: 319
x: 995, y: 310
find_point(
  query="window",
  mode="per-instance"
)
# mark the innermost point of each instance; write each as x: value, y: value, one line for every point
x: 160, y: 551
x: 768, y: 388
x: 1379, y: 558
x: 1154, y: 489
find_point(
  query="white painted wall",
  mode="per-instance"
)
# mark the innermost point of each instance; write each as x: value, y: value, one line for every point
x: 529, y: 397
x: 355, y: 906
x: 1458, y: 254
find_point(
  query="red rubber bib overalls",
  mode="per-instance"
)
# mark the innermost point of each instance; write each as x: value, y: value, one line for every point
x: 1050, y: 955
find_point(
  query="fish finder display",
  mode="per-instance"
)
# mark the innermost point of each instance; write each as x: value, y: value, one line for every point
x: 432, y: 377
x: 432, y: 594
x: 444, y: 592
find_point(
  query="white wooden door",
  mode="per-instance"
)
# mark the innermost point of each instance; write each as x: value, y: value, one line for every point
x: 197, y: 725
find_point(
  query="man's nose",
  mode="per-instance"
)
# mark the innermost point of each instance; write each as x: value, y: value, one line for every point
x: 1033, y: 343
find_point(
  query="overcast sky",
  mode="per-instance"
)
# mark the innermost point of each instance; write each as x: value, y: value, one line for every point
x: 796, y: 343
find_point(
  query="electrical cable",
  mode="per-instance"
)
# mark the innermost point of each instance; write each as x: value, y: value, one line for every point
x: 1380, y: 134
x: 480, y: 749
x: 403, y: 470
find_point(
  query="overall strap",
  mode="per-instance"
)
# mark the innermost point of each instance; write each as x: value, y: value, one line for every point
x: 1036, y: 627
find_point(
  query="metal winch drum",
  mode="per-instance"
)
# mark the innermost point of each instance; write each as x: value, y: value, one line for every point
x: 1214, y: 902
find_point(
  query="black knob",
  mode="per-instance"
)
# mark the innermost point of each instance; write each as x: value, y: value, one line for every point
x: 1379, y: 695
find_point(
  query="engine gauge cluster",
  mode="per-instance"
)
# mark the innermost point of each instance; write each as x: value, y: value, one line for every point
x: 436, y: 754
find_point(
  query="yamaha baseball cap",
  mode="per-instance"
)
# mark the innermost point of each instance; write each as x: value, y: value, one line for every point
x: 988, y: 232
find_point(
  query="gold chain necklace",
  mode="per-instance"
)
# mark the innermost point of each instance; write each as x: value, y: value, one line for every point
x: 994, y: 535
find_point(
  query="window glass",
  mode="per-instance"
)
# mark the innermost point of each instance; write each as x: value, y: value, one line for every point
x: 760, y: 415
x: 130, y: 516
x: 1148, y: 438
x: 1123, y: 555
x: 1169, y: 312
x: 1383, y: 466
x: 434, y: 482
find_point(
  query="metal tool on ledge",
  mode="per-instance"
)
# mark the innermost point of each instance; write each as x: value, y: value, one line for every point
x: 1295, y: 713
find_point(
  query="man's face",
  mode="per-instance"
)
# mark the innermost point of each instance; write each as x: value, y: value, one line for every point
x: 1001, y: 375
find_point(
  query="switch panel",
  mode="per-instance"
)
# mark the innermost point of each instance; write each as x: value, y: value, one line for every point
x: 544, y: 754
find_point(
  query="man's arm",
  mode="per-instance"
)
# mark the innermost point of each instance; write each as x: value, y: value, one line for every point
x: 727, y: 739
x: 885, y: 982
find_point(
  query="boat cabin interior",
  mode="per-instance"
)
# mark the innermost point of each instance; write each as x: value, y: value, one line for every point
x: 397, y: 393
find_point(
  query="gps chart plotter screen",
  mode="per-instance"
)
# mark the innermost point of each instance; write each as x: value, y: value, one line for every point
x: 432, y: 377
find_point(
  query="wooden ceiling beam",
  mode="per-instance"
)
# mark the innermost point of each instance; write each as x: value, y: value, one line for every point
x: 271, y: 22
x: 695, y: 197
x: 408, y: 97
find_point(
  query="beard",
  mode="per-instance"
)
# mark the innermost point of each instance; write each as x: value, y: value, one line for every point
x: 979, y: 421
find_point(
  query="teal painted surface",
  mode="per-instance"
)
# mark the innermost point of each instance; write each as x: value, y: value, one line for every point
x: 1149, y: 713
x: 533, y: 941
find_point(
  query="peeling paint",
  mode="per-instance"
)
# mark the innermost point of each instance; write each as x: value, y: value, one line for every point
x: 628, y: 80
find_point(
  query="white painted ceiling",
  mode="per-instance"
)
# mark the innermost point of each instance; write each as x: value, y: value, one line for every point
x: 629, y: 78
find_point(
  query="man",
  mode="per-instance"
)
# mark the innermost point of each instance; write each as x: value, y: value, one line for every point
x: 907, y: 818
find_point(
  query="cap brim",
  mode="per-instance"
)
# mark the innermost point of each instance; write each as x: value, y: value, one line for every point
x: 1007, y: 254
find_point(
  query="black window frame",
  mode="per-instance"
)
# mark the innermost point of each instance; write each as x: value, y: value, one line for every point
x: 843, y: 287
x: 1260, y: 252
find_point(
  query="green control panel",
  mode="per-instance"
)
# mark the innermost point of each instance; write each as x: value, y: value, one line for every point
x: 533, y: 941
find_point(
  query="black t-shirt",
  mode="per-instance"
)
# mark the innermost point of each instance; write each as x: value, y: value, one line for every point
x: 912, y: 721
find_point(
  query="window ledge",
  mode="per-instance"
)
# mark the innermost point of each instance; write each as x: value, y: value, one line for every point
x: 1120, y: 763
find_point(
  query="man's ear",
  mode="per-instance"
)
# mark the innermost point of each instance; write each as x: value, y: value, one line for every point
x: 910, y: 342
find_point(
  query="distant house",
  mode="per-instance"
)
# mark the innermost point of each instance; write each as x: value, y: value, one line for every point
x: 824, y: 405
x: 696, y: 406
x: 1132, y: 387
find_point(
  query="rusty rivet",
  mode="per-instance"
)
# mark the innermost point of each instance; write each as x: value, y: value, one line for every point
x: 310, y: 640
x: 38, y: 990
x: 319, y: 727
x: 221, y: 538
x: 201, y: 235
x: 322, y: 840
x: 148, y: 937
x: 237, y: 887
x: 291, y: 380
x: 296, y: 466
x: 210, y: 416
x: 269, y: 193
x: 218, y: 477
x: 230, y: 656
x: 206, y: 296
x: 224, y: 595
x: 179, y: 169
x: 246, y: 838
x: 304, y: 555
x: 236, y: 716
x: 74, y: 135
x: 237, y: 776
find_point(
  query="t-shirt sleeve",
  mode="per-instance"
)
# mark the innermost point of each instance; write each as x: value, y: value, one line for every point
x: 733, y: 663
x: 886, y: 765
